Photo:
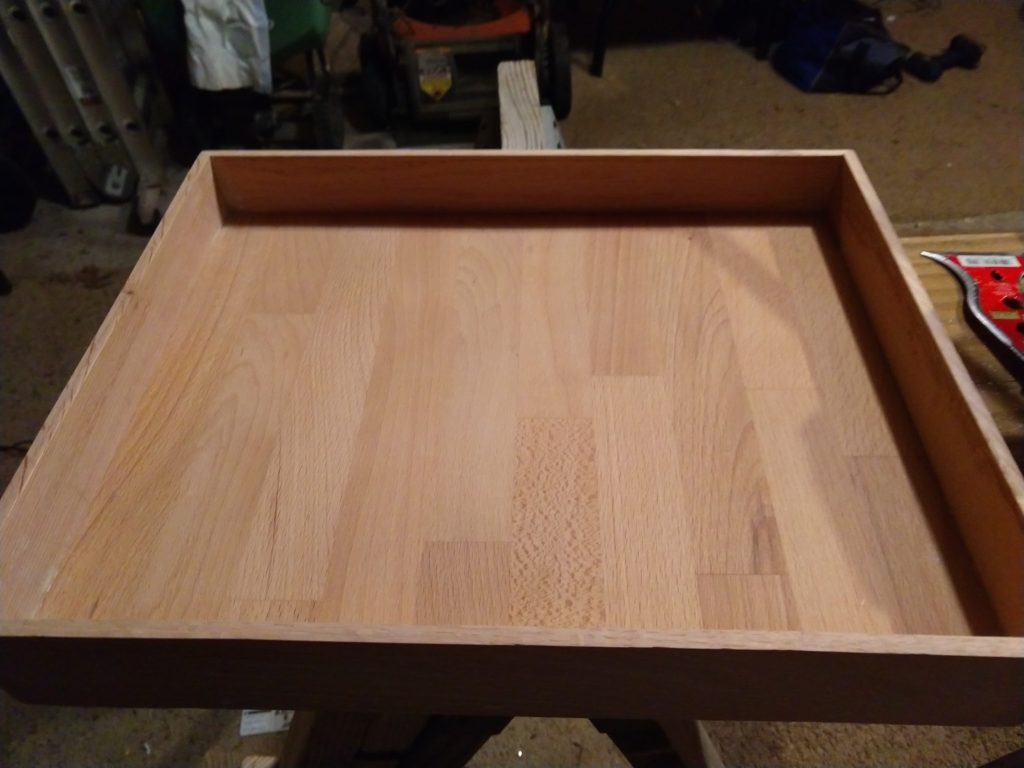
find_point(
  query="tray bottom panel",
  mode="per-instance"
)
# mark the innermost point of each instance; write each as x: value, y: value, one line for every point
x: 602, y: 422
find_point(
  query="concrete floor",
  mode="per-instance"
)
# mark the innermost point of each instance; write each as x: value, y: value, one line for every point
x: 938, y: 154
x: 945, y: 157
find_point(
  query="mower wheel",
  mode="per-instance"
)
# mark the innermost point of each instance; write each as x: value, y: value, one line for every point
x: 328, y: 117
x: 376, y: 81
x: 559, y: 71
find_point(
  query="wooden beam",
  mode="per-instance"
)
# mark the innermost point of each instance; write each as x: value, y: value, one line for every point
x: 666, y: 743
x: 525, y: 123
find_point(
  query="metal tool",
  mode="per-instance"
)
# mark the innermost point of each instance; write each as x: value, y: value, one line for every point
x: 993, y: 290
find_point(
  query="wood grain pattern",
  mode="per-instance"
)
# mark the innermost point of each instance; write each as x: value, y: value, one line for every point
x: 733, y: 525
x: 524, y: 122
x: 831, y: 323
x: 625, y: 269
x: 762, y: 313
x: 537, y: 181
x: 646, y: 542
x: 739, y: 601
x: 596, y: 421
x: 336, y: 437
x: 464, y: 582
x: 101, y: 398
x: 981, y: 482
x: 554, y: 351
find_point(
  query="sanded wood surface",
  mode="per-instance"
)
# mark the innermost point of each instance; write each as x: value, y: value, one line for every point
x: 628, y: 423
x: 633, y: 421
x: 976, y: 471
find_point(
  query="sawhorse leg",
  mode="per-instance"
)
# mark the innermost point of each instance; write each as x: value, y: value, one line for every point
x: 344, y: 740
x: 661, y: 744
x: 1012, y: 760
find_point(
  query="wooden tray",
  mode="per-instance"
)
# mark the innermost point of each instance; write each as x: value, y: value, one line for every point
x: 607, y: 434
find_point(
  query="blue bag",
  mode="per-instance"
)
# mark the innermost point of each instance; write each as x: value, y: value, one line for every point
x: 827, y: 52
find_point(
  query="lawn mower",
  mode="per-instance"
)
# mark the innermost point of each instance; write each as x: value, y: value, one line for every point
x: 437, y: 60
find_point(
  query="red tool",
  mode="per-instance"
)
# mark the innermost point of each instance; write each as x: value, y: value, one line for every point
x: 993, y: 286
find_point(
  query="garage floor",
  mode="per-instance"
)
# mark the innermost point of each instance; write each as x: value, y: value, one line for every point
x: 938, y: 153
x: 945, y: 157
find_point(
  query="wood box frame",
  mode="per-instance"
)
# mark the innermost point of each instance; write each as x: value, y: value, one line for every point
x: 699, y: 674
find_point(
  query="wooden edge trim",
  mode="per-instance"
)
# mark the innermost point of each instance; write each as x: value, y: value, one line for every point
x: 438, y: 182
x: 973, y: 465
x: 286, y: 154
x: 805, y: 642
x: 512, y: 675
x: 183, y: 202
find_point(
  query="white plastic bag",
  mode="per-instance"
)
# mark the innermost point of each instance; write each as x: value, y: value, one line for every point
x: 228, y: 44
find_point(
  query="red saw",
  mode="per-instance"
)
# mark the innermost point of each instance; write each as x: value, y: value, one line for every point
x: 993, y: 288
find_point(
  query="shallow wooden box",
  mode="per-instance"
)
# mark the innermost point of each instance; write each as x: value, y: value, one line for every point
x: 616, y: 434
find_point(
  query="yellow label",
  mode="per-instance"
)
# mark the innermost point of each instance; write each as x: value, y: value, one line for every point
x: 999, y: 314
x: 435, y: 71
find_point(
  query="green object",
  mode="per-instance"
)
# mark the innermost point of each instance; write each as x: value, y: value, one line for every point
x: 164, y: 25
x: 297, y: 26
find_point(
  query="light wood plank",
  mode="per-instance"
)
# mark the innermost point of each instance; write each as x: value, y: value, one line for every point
x: 102, y: 397
x: 195, y: 425
x: 746, y: 602
x: 646, y: 534
x: 843, y: 358
x: 836, y: 578
x: 476, y: 396
x: 522, y: 120
x: 554, y: 334
x: 931, y: 591
x: 625, y: 333
x: 210, y: 509
x: 299, y: 515
x: 729, y: 505
x: 393, y: 474
x: 763, y: 317
x: 462, y: 582
x: 272, y: 611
